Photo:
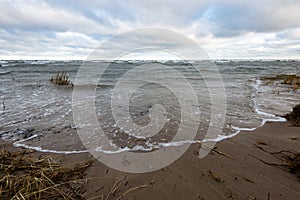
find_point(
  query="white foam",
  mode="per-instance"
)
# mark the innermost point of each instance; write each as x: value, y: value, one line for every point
x: 150, y: 147
x: 272, y: 117
x: 18, y: 144
x: 99, y: 149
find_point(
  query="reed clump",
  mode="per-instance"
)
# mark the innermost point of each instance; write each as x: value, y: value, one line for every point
x: 26, y: 177
x: 294, y: 116
x: 61, y: 78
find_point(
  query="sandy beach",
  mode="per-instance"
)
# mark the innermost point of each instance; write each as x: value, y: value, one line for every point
x: 243, y: 167
x: 44, y: 140
x: 149, y: 100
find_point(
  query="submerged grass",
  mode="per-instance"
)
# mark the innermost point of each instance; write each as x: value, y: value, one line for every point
x: 61, y: 78
x: 25, y: 177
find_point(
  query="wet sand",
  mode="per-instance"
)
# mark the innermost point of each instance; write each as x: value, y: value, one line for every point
x: 238, y: 168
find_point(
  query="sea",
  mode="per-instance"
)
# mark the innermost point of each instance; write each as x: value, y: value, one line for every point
x: 37, y: 114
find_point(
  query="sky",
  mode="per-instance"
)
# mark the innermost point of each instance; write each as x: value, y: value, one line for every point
x: 224, y: 29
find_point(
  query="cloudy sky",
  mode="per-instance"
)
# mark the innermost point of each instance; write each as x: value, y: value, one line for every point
x: 60, y: 29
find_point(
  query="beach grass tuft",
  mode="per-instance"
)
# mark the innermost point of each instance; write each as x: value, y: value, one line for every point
x: 26, y: 177
x: 61, y: 78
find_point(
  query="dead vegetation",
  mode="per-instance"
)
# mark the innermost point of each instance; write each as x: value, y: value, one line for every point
x: 61, y: 78
x: 294, y: 116
x: 214, y: 176
x: 23, y: 177
x: 292, y: 80
x: 261, y: 142
x: 117, y: 189
x: 26, y: 177
x: 287, y: 160
x: 213, y: 150
x: 292, y: 159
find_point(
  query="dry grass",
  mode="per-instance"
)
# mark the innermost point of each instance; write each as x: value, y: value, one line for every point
x: 25, y: 177
x: 289, y: 160
x: 292, y: 80
x: 294, y: 164
x: 214, y: 176
x: 117, y: 192
x: 61, y: 78
x: 294, y: 116
x: 261, y: 142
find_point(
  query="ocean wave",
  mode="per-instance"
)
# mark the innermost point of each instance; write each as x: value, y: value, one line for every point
x: 235, y: 83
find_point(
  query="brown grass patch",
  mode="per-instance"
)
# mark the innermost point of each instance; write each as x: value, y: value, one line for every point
x: 292, y: 80
x: 26, y: 177
x: 294, y: 116
x: 289, y: 160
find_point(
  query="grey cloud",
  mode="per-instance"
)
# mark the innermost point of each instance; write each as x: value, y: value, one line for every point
x: 225, y: 18
x: 45, y: 45
x: 40, y: 16
x: 231, y: 18
x: 71, y: 28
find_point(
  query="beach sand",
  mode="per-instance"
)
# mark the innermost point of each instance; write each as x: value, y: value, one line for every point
x: 241, y: 167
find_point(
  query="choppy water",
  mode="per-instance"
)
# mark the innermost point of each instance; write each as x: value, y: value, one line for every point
x: 31, y: 105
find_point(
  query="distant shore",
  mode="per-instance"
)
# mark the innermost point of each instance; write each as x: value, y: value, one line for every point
x: 250, y: 165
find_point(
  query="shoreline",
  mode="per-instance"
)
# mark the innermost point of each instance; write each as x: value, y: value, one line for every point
x: 238, y: 130
x: 269, y: 118
x: 238, y: 168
